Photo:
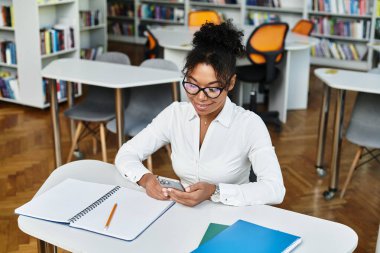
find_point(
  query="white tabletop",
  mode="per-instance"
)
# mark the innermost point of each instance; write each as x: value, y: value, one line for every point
x: 180, y: 37
x: 181, y: 228
x: 107, y: 74
x: 350, y: 80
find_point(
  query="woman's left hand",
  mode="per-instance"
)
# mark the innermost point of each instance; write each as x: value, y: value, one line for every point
x: 193, y: 194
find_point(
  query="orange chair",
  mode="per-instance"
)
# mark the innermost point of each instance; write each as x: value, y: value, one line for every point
x: 152, y: 48
x: 199, y: 17
x: 304, y: 27
x: 265, y: 49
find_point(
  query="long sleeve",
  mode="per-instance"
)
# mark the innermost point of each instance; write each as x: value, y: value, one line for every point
x: 130, y: 156
x: 269, y: 188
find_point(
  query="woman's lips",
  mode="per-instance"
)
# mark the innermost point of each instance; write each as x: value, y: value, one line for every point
x: 202, y: 107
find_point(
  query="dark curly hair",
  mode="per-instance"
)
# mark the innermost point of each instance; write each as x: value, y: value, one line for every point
x: 218, y: 46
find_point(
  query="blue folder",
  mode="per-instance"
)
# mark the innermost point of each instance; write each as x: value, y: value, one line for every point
x: 243, y: 236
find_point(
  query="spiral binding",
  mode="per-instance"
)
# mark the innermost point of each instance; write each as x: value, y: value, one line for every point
x: 93, y: 205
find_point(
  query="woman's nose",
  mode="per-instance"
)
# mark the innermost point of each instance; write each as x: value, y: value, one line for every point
x: 201, y: 95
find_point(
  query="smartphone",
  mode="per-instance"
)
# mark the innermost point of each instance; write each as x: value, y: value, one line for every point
x: 170, y: 183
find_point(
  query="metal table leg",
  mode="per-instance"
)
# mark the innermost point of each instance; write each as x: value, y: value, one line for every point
x: 55, y: 122
x: 337, y: 143
x: 44, y: 247
x: 119, y: 98
x: 323, y: 119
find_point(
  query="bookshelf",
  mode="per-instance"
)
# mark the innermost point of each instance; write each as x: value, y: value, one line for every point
x: 93, y: 28
x: 127, y: 19
x: 345, y: 30
x: 8, y: 59
x: 258, y: 12
x: 230, y: 9
x: 36, y: 23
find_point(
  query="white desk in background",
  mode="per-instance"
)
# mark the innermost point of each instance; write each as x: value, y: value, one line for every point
x: 341, y: 80
x: 106, y: 75
x: 181, y: 228
x: 289, y: 92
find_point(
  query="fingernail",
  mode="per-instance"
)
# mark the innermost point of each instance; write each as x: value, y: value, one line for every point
x: 187, y: 189
x: 169, y: 189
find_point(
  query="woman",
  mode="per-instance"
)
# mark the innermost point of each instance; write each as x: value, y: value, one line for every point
x: 214, y: 142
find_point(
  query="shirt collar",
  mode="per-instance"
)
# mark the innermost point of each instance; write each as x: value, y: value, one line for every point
x: 224, y: 117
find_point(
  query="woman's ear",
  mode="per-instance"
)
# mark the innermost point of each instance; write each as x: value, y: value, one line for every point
x: 232, y: 83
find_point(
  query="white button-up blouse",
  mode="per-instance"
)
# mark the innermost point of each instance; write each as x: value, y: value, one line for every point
x: 235, y: 140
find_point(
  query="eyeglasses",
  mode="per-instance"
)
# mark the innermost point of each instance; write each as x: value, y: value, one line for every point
x: 193, y: 89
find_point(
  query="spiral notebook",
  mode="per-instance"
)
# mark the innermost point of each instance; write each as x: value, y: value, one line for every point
x: 87, y: 205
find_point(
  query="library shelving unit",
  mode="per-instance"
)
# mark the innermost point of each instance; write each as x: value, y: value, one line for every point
x: 227, y: 9
x: 93, y: 27
x: 127, y: 19
x: 32, y: 19
x: 8, y: 63
x: 289, y: 11
x: 122, y: 20
x: 159, y: 12
x: 345, y: 30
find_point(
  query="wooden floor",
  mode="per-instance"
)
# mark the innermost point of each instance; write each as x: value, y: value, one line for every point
x: 26, y: 159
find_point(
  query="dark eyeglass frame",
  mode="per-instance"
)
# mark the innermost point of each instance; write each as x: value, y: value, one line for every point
x: 202, y: 89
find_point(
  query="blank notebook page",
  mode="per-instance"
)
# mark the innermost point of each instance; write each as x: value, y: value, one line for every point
x: 134, y: 213
x: 63, y: 201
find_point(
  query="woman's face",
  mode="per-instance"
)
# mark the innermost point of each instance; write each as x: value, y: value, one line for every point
x: 203, y: 75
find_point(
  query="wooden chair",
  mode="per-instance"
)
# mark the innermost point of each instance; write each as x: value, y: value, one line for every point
x: 199, y: 17
x: 364, y: 131
x: 95, y: 110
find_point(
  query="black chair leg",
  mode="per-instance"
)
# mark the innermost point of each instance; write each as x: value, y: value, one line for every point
x: 253, y: 101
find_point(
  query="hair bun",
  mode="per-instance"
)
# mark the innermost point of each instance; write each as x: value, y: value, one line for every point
x: 224, y: 37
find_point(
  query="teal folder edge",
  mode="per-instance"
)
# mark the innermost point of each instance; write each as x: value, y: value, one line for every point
x: 243, y: 236
x: 213, y: 229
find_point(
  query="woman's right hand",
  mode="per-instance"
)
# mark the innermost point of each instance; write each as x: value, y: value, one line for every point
x: 152, y: 186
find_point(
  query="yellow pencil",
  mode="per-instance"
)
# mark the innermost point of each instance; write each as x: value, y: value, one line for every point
x: 110, y: 216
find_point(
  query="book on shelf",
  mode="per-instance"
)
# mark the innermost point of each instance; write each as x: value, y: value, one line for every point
x: 356, y: 29
x: 9, y: 87
x: 353, y: 7
x: 258, y: 18
x: 61, y: 86
x: 339, y: 51
x: 90, y: 18
x: 91, y: 205
x: 220, y: 2
x: 91, y: 53
x: 57, y: 38
x: 161, y: 12
x: 243, y: 236
x: 7, y: 18
x: 8, y: 52
x: 125, y: 9
x: 121, y: 28
x: 265, y: 3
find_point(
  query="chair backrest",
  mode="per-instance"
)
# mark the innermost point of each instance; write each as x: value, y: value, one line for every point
x: 364, y: 126
x: 303, y: 27
x: 265, y: 41
x: 265, y: 46
x: 152, y: 48
x: 106, y: 95
x: 199, y: 17
x: 114, y: 57
x: 149, y: 101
